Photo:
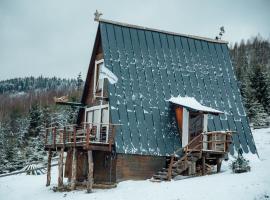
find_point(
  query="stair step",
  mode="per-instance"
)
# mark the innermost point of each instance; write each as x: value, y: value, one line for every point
x: 161, y: 177
x: 162, y: 173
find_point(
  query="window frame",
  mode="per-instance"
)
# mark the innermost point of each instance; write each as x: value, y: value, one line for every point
x: 96, y: 79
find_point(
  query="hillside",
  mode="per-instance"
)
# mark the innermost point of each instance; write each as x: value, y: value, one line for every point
x: 26, y: 109
x: 254, y: 185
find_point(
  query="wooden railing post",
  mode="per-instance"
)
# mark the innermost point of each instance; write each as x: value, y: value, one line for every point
x: 111, y: 135
x: 87, y: 136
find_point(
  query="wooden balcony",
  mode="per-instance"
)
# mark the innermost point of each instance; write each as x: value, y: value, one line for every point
x: 89, y: 136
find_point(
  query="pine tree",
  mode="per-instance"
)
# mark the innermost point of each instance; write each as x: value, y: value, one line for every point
x: 35, y: 121
x: 79, y: 81
x: 249, y: 98
x: 259, y: 82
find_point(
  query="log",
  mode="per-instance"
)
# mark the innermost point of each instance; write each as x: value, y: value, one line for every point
x: 49, y: 168
x: 60, y: 168
x: 74, y: 170
x: 90, y: 172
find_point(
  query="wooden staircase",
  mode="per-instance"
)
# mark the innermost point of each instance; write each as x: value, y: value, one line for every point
x: 196, y: 159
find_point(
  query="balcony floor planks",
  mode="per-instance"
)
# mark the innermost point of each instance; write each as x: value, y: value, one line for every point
x: 80, y: 145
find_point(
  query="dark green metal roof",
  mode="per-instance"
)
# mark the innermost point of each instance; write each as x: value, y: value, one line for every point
x: 152, y: 66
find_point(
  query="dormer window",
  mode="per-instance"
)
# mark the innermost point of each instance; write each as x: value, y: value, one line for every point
x: 98, y: 80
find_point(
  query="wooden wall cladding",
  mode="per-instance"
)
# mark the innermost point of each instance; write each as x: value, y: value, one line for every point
x: 104, y: 167
x: 137, y: 167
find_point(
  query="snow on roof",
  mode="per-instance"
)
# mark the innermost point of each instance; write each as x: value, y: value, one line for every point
x: 192, y: 103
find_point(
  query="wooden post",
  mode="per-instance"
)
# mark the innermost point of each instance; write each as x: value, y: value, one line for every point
x: 74, y: 169
x: 87, y: 136
x: 170, y: 168
x: 90, y: 172
x: 219, y: 162
x: 203, y: 165
x: 60, y: 168
x: 49, y: 167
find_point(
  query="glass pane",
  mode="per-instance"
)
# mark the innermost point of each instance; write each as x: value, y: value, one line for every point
x: 105, y: 115
x: 90, y: 116
x: 96, y: 116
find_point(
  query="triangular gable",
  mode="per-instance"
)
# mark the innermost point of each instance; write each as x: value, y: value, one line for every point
x: 152, y: 66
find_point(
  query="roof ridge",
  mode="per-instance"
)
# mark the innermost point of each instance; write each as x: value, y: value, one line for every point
x: 162, y: 31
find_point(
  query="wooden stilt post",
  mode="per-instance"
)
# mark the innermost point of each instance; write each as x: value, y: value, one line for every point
x: 49, y: 167
x: 219, y: 162
x: 60, y: 168
x: 74, y: 169
x: 203, y: 165
x: 90, y: 172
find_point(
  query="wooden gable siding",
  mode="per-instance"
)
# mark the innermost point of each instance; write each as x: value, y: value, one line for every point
x: 137, y: 167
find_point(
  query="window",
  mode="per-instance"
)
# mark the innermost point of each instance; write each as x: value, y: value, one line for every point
x: 98, y: 80
x: 98, y: 116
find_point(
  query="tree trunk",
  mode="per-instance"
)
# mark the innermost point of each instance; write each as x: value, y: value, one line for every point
x: 49, y: 168
x: 90, y: 172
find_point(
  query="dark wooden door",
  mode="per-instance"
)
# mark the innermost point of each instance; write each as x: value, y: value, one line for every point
x: 195, y: 124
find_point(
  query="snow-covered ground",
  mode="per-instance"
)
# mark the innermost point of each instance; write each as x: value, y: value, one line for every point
x: 254, y: 185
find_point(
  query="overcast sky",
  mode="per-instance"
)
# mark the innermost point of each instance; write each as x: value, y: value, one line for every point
x: 55, y: 37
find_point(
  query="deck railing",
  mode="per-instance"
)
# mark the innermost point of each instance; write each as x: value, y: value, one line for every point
x: 213, y: 141
x: 84, y: 135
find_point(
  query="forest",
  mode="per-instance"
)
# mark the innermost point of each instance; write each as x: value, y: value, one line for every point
x: 27, y: 108
x: 27, y: 105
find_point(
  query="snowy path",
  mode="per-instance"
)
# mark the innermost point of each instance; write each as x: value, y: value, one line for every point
x: 252, y: 185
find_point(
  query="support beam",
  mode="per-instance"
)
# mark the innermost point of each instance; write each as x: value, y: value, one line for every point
x: 74, y: 170
x: 49, y: 168
x: 60, y: 168
x: 90, y: 172
x: 203, y: 165
x: 219, y: 162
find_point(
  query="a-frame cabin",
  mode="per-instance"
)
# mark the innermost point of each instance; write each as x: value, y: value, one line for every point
x: 175, y: 108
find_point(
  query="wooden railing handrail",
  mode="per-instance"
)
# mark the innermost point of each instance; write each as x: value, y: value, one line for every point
x: 188, y: 144
x: 82, y: 134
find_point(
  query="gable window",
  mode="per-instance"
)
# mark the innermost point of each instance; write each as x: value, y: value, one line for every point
x: 98, y: 80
